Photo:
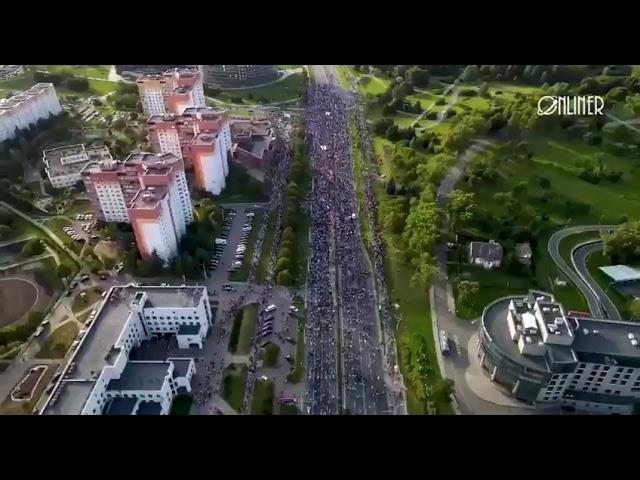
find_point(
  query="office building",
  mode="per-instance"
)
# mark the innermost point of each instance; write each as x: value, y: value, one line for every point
x: 26, y: 108
x: 65, y: 164
x: 238, y: 76
x: 171, y: 92
x: 147, y: 190
x: 535, y: 352
x: 136, y: 354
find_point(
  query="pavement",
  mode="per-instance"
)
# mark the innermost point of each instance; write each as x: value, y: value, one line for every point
x: 599, y: 304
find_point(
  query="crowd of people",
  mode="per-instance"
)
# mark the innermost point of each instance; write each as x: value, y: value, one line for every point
x: 341, y: 295
x: 384, y: 304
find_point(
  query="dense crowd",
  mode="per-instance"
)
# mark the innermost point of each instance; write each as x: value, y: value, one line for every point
x: 341, y: 296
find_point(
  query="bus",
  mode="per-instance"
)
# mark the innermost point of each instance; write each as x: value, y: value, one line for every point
x: 444, y: 343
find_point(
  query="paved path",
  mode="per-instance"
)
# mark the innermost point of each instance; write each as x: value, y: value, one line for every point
x: 223, y: 406
x: 585, y: 286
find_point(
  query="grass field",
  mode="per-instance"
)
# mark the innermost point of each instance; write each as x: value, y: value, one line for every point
x: 262, y: 402
x: 297, y: 373
x: 181, y: 405
x: 594, y: 262
x: 9, y: 407
x: 247, y: 329
x: 241, y: 187
x: 56, y: 225
x: 271, y: 354
x: 59, y: 341
x: 79, y: 303
x: 26, y: 81
x: 95, y: 71
x: 232, y: 386
x: 265, y: 255
x: 288, y: 410
x: 242, y: 274
x: 290, y: 88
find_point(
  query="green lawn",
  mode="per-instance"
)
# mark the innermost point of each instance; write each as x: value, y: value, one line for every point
x: 301, y: 239
x: 56, y: 225
x: 297, y: 373
x: 290, y: 88
x: 58, y: 343
x: 494, y: 284
x: 242, y: 274
x: 181, y: 405
x: 96, y: 71
x: 262, y: 402
x: 78, y: 207
x: 271, y: 354
x: 265, y: 255
x: 79, y: 304
x: 288, y: 410
x: 594, y: 262
x: 247, y: 329
x: 233, y: 385
x: 344, y: 78
x: 241, y: 187
x: 290, y: 67
x: 26, y: 81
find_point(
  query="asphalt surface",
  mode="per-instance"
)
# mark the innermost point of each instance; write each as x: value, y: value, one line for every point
x: 599, y: 304
x: 579, y: 259
x: 345, y: 372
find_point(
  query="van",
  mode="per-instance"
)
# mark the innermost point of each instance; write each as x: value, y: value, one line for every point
x: 221, y: 241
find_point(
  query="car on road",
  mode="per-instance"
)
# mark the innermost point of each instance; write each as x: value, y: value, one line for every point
x: 270, y: 308
x: 84, y: 278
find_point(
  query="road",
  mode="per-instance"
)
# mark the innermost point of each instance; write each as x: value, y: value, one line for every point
x: 579, y: 259
x: 599, y: 304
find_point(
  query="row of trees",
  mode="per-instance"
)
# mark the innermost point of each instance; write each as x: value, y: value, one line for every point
x: 288, y: 263
x: 64, y: 78
x: 21, y: 333
x: 623, y: 245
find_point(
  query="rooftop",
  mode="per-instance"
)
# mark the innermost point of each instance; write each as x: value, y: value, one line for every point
x: 607, y: 342
x: 621, y: 273
x: 72, y: 159
x: 149, y: 198
x: 149, y: 408
x: 121, y: 406
x: 188, y: 329
x: 97, y: 349
x: 489, y: 251
x: 141, y: 376
x: 180, y: 366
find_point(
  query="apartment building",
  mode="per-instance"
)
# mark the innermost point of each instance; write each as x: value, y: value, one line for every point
x: 534, y: 351
x: 171, y: 92
x: 65, y: 164
x: 26, y: 108
x: 201, y: 137
x: 137, y: 354
x: 147, y: 190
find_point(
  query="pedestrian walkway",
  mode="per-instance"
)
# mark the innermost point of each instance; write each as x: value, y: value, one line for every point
x: 223, y: 406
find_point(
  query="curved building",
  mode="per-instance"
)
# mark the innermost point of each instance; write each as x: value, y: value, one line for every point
x: 238, y: 76
x: 532, y: 350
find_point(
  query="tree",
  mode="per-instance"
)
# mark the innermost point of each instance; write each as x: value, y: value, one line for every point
x: 623, y: 245
x: 440, y: 393
x: 284, y: 263
x: 471, y: 73
x: 419, y: 76
x: 5, y: 231
x: 634, y: 308
x: 63, y: 271
x: 287, y: 234
x: 483, y: 90
x: 32, y: 248
x: 460, y: 206
x: 285, y: 277
x: 466, y: 291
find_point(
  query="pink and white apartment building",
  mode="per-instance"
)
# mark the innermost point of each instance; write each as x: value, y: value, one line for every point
x: 171, y: 92
x: 147, y: 190
x: 201, y: 137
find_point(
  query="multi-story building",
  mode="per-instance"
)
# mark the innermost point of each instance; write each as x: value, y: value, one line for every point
x: 64, y: 164
x: 171, y: 92
x: 136, y: 355
x: 537, y: 353
x: 254, y: 143
x: 238, y: 76
x: 26, y: 108
x: 145, y: 190
x: 202, y: 137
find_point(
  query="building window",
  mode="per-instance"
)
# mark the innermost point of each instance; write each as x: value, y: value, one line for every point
x: 607, y: 391
x: 627, y: 377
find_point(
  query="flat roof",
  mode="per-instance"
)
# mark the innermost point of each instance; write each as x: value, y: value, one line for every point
x: 149, y: 408
x: 71, y: 159
x: 188, y: 329
x: 121, y: 406
x: 621, y: 273
x: 180, y: 366
x: 141, y: 376
x: 607, y: 342
x: 97, y: 350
